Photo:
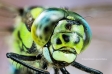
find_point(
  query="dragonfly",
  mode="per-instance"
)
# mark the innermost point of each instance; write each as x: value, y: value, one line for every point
x: 49, y: 36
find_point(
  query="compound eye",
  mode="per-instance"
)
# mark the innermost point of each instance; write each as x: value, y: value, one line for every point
x: 77, y: 40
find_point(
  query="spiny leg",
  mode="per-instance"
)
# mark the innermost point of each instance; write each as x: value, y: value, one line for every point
x: 19, y: 71
x: 18, y: 58
x: 64, y: 71
x: 56, y: 70
x: 86, y: 69
x: 44, y: 67
x: 45, y: 64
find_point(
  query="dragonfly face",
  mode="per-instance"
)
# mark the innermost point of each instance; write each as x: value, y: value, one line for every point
x: 61, y: 34
x: 65, y: 32
x: 66, y: 42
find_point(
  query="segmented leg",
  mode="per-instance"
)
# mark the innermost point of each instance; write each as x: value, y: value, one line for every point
x: 19, y: 71
x: 64, y: 71
x: 56, y: 70
x: 86, y: 69
x: 18, y: 58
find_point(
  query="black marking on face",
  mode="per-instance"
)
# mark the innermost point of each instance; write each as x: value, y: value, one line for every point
x: 58, y: 41
x: 68, y: 26
x: 77, y: 40
x: 75, y: 22
x: 78, y: 22
x: 66, y: 38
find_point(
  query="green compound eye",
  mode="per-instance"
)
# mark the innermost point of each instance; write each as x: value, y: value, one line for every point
x: 44, y: 25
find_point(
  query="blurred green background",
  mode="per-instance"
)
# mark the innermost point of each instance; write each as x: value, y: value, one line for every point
x: 98, y: 14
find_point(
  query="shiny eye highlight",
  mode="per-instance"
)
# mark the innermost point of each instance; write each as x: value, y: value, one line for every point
x: 77, y: 40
